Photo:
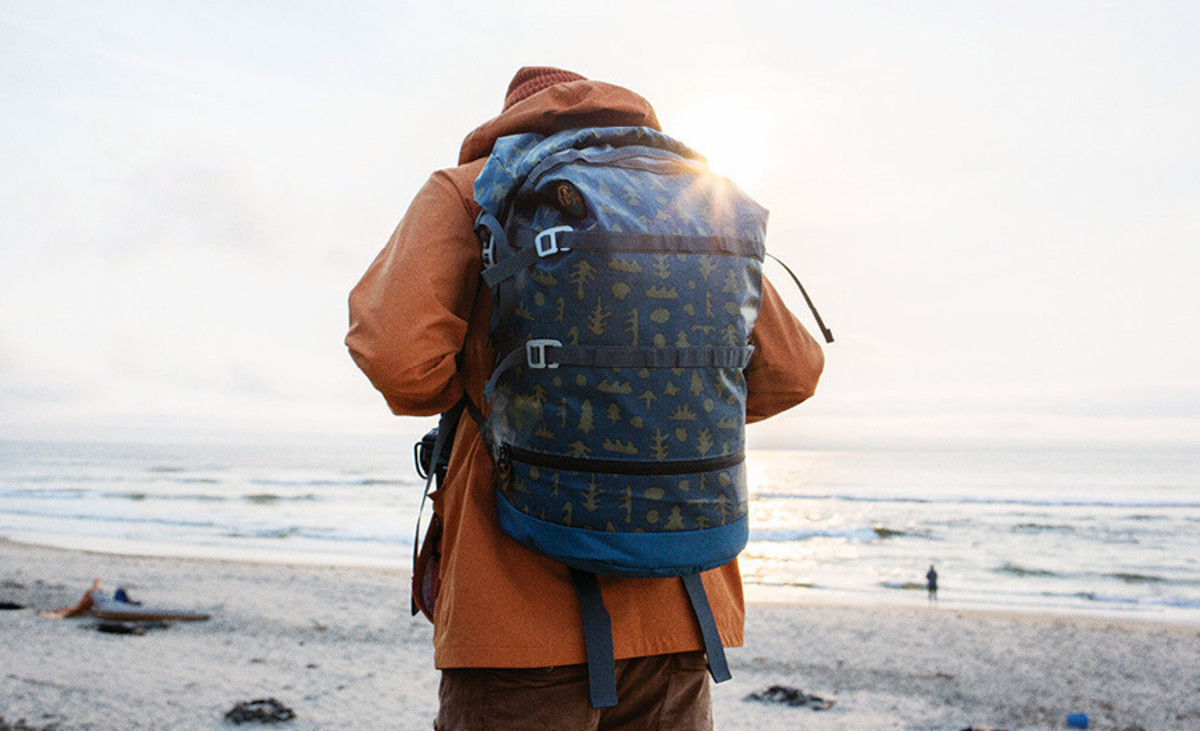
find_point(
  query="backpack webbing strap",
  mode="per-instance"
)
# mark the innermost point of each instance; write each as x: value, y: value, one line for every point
x: 622, y: 466
x: 550, y: 354
x: 597, y: 638
x: 652, y: 357
x: 717, y: 667
x: 647, y: 243
x: 504, y: 268
x: 529, y: 250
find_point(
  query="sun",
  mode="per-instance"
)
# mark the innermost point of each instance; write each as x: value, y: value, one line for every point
x: 732, y: 133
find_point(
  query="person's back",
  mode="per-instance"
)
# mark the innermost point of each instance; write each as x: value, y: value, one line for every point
x: 419, y: 330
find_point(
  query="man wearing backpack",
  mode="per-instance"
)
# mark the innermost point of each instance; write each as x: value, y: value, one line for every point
x: 507, y: 620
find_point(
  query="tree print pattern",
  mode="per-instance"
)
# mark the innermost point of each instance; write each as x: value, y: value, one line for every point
x: 694, y: 297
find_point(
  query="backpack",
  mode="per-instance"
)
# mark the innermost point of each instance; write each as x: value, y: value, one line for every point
x: 626, y: 279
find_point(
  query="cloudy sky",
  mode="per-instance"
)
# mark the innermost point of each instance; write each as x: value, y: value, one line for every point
x: 995, y: 205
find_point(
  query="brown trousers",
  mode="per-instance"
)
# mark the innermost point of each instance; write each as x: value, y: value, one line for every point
x: 656, y: 693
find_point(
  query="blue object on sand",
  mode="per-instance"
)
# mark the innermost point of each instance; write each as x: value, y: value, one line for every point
x: 1077, y: 720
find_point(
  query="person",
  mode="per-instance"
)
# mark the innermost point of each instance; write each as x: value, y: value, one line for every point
x: 507, y: 626
x: 931, y: 584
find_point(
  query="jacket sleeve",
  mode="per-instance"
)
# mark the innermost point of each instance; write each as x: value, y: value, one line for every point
x: 409, y: 313
x: 787, y: 360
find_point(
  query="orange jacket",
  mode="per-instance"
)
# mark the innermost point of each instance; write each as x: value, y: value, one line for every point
x: 418, y: 329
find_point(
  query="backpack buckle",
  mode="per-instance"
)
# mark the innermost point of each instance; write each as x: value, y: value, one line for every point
x: 546, y: 242
x: 535, y: 352
x: 489, y: 231
x: 489, y: 252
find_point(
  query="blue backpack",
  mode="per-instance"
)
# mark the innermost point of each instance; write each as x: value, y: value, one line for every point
x: 626, y: 279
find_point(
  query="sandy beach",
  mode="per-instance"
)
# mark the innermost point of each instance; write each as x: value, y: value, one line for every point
x: 338, y: 647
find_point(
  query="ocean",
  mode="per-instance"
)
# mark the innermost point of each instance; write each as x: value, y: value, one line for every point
x: 1112, y: 532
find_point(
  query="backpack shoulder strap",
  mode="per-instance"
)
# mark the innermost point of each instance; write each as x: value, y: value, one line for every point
x: 439, y: 460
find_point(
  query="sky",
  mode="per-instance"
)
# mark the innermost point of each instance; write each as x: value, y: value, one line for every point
x: 995, y: 205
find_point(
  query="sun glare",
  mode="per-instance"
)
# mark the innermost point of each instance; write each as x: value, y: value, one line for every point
x: 732, y: 134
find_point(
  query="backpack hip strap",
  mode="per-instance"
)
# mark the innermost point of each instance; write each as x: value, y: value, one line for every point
x: 597, y: 637
x: 717, y: 667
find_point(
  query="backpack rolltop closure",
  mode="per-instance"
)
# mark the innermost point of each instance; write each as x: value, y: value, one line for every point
x: 626, y: 279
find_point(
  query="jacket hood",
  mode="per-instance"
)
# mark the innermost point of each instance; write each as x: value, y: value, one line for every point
x: 562, y: 106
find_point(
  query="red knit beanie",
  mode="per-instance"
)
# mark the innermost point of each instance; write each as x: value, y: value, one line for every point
x: 532, y: 79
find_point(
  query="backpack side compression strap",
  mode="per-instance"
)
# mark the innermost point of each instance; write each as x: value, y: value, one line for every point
x: 552, y: 354
x: 530, y: 247
x: 597, y: 638
x: 826, y: 332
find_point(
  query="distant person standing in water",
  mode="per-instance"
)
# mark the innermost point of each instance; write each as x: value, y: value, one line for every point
x: 931, y: 584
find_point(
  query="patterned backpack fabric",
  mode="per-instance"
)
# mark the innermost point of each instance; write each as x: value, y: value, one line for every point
x: 626, y: 280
